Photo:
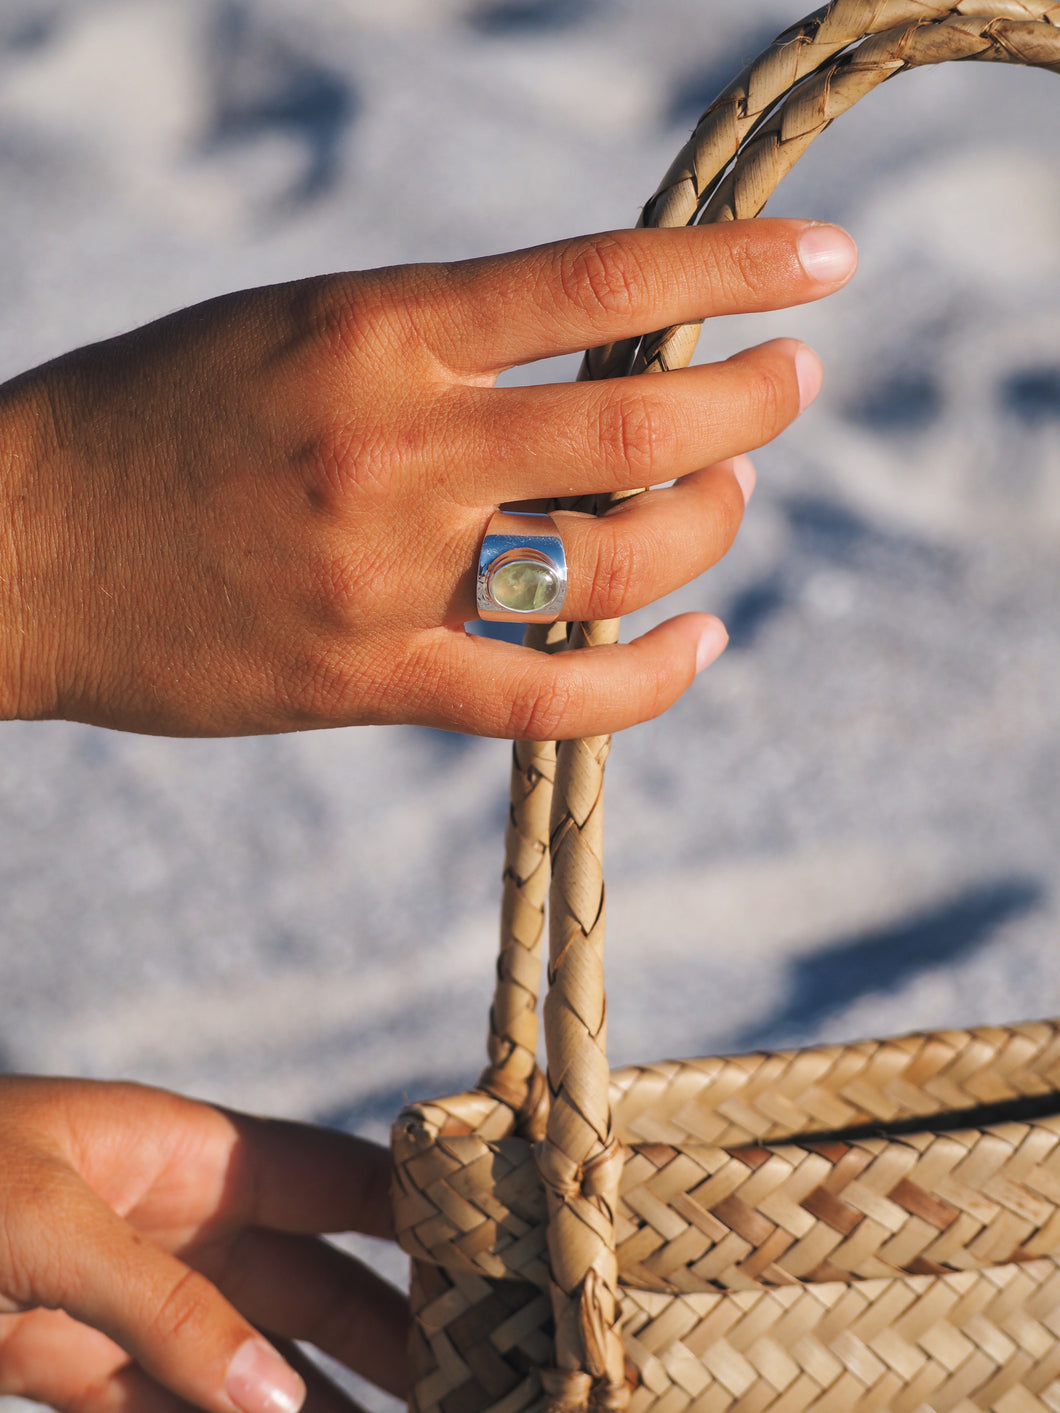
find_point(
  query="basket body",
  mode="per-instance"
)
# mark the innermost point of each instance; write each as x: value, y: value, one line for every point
x: 985, y: 1341
x: 904, y: 1261
x: 982, y: 1340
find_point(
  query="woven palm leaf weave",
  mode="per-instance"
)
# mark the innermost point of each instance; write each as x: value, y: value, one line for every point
x: 873, y: 1226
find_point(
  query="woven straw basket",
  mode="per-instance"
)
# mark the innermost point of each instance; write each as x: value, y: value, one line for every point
x: 860, y: 1227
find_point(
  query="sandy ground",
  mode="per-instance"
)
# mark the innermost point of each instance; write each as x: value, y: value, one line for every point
x: 848, y: 827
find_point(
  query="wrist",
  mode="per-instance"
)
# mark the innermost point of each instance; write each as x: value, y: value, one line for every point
x: 27, y: 443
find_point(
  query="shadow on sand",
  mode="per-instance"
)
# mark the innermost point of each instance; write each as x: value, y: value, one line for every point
x: 885, y: 960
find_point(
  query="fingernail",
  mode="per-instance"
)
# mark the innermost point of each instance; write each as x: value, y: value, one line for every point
x: 712, y: 643
x: 810, y: 374
x: 746, y: 477
x: 259, y: 1381
x: 827, y: 254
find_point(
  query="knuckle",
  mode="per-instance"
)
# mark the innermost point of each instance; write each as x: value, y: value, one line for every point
x: 604, y: 276
x: 322, y: 314
x: 727, y: 508
x: 639, y: 434
x: 739, y: 269
x: 654, y: 685
x: 541, y: 710
x: 342, y: 455
x: 184, y: 1310
x: 658, y: 697
x: 360, y: 320
x: 749, y: 271
x: 41, y: 1210
x: 622, y: 577
x: 91, y: 1395
x: 371, y: 452
x: 773, y: 394
x: 349, y: 588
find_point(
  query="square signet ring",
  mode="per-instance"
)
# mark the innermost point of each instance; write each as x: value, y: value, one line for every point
x: 522, y: 569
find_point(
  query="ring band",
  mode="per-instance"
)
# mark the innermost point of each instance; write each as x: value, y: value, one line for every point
x: 522, y: 570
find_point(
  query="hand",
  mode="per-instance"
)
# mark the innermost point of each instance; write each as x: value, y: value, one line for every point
x: 143, y: 1237
x: 264, y: 513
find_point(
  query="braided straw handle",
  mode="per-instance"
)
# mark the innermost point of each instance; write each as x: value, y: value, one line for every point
x: 742, y: 147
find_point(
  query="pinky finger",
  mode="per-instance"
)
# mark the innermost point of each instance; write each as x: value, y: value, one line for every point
x: 492, y: 688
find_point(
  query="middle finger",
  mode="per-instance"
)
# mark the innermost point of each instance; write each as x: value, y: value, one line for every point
x: 577, y: 439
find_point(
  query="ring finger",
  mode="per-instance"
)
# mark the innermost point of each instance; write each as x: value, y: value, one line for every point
x: 300, y: 1287
x: 648, y: 546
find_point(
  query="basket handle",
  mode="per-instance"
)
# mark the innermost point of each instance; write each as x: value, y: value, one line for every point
x: 512, y: 1075
x: 832, y: 59
x: 580, y: 1161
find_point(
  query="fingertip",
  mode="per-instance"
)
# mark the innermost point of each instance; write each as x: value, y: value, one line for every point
x: 712, y: 641
x: 827, y: 254
x: 260, y: 1381
x: 810, y: 373
x: 743, y: 469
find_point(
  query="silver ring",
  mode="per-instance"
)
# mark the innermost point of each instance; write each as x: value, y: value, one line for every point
x: 522, y: 570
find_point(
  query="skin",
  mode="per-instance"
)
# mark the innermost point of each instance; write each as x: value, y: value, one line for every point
x: 263, y: 514
x: 143, y: 1237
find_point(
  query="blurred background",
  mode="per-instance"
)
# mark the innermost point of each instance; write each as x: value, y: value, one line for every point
x: 848, y: 827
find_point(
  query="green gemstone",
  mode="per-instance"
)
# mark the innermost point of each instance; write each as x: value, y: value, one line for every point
x: 523, y: 586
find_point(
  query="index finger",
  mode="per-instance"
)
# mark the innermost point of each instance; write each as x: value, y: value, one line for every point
x: 492, y: 313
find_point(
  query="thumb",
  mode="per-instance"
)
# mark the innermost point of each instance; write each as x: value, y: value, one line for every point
x: 493, y: 688
x: 169, y: 1318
